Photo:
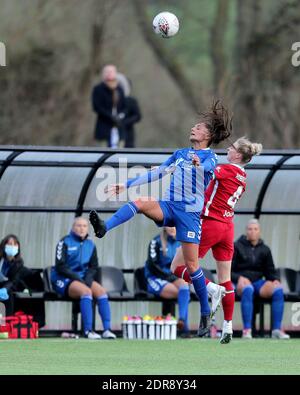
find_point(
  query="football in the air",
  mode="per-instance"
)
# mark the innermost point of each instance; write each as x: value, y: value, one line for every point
x: 166, y: 24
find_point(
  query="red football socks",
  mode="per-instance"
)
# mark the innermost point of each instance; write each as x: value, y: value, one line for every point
x: 228, y: 300
x: 181, y: 272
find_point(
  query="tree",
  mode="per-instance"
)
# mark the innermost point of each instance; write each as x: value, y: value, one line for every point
x: 266, y: 104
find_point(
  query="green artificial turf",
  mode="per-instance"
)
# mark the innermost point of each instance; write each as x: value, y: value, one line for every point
x: 182, y: 356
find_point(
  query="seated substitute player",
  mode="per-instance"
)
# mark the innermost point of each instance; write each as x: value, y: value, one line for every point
x: 191, y: 169
x: 221, y: 196
x: 161, y: 281
x: 253, y: 272
x: 73, y: 275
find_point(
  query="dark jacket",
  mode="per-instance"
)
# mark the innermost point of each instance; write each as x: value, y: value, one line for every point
x: 20, y: 277
x: 157, y: 263
x: 76, y: 259
x: 132, y: 116
x: 15, y: 272
x: 252, y: 262
x: 102, y: 101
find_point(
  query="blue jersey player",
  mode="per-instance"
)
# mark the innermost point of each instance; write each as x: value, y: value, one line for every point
x: 191, y: 169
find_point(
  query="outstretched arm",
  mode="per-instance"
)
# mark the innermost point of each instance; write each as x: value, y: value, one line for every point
x: 152, y: 175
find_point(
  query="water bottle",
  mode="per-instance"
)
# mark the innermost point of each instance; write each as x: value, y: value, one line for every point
x: 138, y: 327
x: 146, y: 319
x: 151, y: 330
x: 167, y: 328
x: 130, y: 329
x: 173, y: 329
x: 124, y: 327
x: 67, y: 335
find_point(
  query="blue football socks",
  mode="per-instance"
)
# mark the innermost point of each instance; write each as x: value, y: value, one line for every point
x: 183, y: 305
x: 198, y: 280
x: 247, y: 306
x: 104, y: 311
x: 86, y: 309
x: 277, y: 308
x: 125, y: 213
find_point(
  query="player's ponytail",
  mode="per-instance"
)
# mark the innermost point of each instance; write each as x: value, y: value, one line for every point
x: 218, y: 122
x: 247, y: 149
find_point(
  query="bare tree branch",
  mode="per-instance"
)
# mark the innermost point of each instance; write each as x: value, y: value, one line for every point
x: 170, y: 64
x: 218, y: 51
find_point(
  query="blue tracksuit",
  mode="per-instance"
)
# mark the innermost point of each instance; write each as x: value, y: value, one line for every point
x: 76, y: 259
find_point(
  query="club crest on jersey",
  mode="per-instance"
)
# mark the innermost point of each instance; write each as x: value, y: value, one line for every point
x: 190, y: 154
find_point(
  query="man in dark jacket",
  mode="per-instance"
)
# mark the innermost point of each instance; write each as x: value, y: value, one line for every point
x: 109, y: 104
x: 132, y: 116
x: 254, y: 273
x: 74, y: 276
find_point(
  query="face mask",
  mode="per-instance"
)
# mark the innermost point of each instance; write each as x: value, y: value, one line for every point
x: 11, y: 250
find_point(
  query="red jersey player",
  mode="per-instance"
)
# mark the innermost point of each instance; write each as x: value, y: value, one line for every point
x: 221, y: 196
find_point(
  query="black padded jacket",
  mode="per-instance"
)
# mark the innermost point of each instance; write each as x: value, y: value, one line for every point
x: 252, y: 262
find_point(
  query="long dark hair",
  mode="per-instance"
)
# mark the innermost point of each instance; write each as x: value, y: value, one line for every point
x: 218, y: 122
x: 4, y: 242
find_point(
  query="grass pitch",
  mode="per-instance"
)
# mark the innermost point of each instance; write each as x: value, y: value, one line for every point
x: 182, y: 356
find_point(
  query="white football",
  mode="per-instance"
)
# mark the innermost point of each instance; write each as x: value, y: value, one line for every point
x: 166, y: 24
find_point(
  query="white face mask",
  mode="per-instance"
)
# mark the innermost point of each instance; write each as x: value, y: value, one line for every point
x: 11, y: 250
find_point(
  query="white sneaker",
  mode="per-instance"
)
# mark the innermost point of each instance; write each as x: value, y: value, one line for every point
x: 247, y: 334
x: 108, y: 335
x: 226, y: 332
x: 279, y: 334
x: 92, y: 335
x: 216, y: 292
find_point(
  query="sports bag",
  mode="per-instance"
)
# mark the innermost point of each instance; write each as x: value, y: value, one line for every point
x: 21, y: 326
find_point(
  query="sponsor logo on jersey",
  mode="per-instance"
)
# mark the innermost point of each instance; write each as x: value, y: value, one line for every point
x: 72, y: 248
x: 191, y: 235
x: 240, y: 178
x: 228, y: 214
x: 179, y: 160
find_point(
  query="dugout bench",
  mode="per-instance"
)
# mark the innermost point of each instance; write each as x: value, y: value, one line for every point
x: 113, y: 280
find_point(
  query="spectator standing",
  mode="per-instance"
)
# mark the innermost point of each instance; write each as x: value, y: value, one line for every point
x: 254, y: 273
x: 109, y: 104
x: 132, y: 111
x: 74, y: 275
x: 132, y: 116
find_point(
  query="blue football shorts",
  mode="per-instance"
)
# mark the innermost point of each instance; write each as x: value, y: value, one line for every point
x: 155, y: 285
x: 60, y: 283
x: 187, y: 224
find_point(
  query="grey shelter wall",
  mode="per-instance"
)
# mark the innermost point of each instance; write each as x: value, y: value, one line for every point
x: 42, y: 189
